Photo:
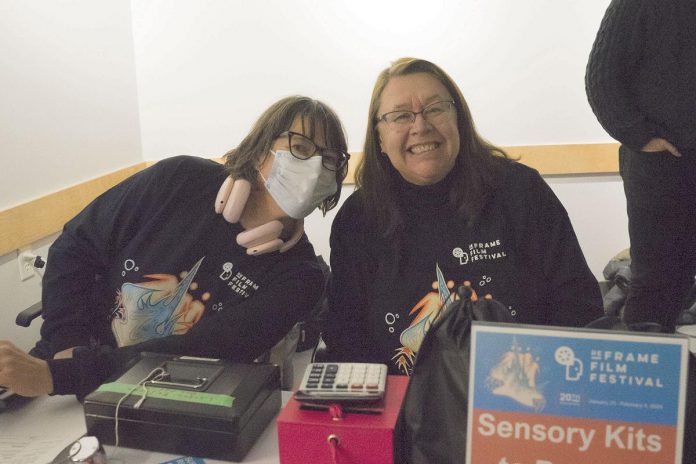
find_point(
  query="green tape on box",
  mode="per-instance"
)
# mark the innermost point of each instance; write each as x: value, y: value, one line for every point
x: 213, y: 399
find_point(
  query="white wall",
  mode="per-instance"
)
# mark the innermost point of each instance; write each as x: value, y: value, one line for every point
x: 68, y: 113
x: 68, y: 104
x: 207, y: 69
x: 597, y: 209
x: 90, y: 87
x: 17, y: 295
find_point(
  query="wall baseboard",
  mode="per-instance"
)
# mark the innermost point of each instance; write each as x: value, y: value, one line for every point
x: 36, y: 219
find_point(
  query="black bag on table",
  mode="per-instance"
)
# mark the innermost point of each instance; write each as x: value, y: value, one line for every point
x: 432, y: 424
x: 433, y: 419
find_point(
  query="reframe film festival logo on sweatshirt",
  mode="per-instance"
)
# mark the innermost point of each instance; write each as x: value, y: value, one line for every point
x: 480, y: 251
x: 237, y: 281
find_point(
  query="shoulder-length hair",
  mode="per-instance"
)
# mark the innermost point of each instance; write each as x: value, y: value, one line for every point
x: 243, y: 161
x: 476, y: 169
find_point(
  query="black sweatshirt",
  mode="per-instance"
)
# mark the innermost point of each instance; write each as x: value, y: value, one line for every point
x: 523, y: 252
x: 641, y: 74
x: 149, y: 266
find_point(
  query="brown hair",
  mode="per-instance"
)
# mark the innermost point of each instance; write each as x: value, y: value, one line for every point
x: 477, y: 165
x: 242, y: 162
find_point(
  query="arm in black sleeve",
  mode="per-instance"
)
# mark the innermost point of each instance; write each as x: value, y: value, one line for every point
x: 345, y: 330
x: 240, y: 334
x: 614, y: 62
x: 572, y: 294
x: 80, y: 255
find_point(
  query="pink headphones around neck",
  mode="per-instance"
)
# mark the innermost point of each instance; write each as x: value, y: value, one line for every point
x: 230, y: 202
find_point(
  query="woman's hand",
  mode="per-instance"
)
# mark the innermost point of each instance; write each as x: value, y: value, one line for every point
x: 22, y: 373
x: 658, y: 144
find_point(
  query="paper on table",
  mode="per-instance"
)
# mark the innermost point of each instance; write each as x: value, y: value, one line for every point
x: 25, y: 449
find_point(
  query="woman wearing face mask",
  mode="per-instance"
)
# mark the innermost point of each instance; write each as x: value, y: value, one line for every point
x: 437, y: 206
x: 188, y: 257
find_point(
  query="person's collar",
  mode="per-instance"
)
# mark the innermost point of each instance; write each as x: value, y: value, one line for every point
x: 430, y: 196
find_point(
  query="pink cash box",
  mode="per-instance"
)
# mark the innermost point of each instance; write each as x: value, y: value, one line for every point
x: 364, y: 434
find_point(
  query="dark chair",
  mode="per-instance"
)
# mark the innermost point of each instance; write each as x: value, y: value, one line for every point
x: 25, y: 317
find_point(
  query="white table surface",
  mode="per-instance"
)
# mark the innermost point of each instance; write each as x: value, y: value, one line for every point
x: 36, y: 430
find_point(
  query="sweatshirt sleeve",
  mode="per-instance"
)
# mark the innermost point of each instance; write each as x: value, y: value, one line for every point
x: 571, y: 295
x: 240, y: 334
x: 80, y: 255
x: 613, y: 63
x: 345, y: 330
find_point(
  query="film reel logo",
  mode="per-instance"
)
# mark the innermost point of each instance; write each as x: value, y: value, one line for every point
x: 565, y: 356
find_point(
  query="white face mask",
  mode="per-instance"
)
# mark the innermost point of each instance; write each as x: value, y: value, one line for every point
x: 299, y: 186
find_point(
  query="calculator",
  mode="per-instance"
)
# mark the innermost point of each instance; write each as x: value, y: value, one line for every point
x: 343, y: 382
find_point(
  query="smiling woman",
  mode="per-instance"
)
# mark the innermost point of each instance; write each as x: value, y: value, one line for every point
x: 436, y: 206
x: 423, y: 149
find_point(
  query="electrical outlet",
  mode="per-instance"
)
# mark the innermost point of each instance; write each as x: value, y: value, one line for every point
x: 25, y: 260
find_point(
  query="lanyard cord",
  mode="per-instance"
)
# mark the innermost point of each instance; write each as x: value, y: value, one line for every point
x: 156, y: 374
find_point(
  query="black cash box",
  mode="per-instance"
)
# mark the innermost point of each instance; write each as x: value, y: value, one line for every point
x: 200, y: 407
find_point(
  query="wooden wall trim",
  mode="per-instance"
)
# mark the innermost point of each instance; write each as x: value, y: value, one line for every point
x: 574, y: 159
x: 36, y: 219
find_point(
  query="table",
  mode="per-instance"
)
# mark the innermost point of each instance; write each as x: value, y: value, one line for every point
x: 55, y: 422
x: 51, y: 423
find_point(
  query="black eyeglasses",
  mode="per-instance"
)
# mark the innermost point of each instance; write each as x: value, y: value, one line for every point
x: 303, y: 148
x: 433, y: 113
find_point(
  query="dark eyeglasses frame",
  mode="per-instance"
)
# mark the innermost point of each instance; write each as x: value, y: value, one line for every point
x: 328, y: 155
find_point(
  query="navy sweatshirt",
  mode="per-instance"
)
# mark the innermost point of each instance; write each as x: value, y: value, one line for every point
x: 523, y: 252
x: 149, y: 266
x: 641, y: 74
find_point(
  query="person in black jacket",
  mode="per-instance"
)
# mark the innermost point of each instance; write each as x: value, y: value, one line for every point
x: 641, y: 85
x: 188, y: 257
x: 436, y: 206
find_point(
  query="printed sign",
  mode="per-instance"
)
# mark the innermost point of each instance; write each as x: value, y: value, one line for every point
x: 546, y: 395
